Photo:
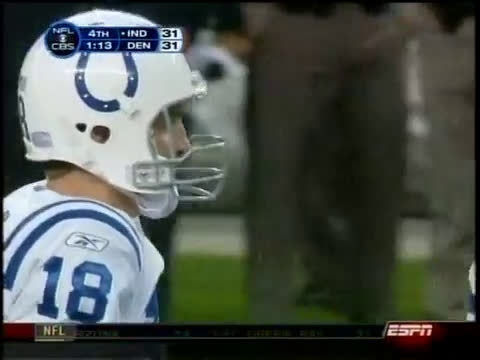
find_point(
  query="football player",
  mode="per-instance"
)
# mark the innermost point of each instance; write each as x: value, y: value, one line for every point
x: 471, y: 306
x: 109, y: 129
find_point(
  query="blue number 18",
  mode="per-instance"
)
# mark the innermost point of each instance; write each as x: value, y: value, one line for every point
x: 53, y: 267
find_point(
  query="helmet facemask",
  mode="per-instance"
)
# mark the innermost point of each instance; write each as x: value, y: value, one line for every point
x: 195, y: 175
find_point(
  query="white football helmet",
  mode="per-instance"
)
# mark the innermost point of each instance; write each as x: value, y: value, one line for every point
x: 62, y: 99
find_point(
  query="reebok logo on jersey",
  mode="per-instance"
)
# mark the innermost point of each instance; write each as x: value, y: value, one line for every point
x: 86, y: 241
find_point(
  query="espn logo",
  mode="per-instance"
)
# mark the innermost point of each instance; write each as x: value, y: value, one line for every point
x: 409, y: 330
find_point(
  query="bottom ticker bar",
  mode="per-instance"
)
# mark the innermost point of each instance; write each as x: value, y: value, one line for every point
x: 168, y: 332
x: 394, y: 332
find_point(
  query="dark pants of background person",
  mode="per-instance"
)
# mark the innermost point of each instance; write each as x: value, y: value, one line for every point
x: 313, y: 116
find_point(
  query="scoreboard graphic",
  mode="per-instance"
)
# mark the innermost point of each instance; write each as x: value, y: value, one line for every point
x: 64, y: 39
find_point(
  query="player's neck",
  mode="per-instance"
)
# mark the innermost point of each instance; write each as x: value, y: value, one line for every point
x: 79, y: 183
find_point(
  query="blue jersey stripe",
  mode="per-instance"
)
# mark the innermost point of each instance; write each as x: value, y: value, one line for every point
x: 471, y: 303
x: 25, y: 221
x: 152, y: 309
x: 31, y: 239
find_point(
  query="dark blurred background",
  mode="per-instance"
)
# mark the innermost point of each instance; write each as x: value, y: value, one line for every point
x: 350, y: 195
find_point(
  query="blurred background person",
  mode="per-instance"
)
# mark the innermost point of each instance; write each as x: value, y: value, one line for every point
x: 220, y: 52
x: 420, y: 19
x: 447, y: 61
x: 327, y: 152
x: 471, y: 314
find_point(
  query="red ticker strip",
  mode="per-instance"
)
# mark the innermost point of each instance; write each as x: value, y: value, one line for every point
x: 18, y: 332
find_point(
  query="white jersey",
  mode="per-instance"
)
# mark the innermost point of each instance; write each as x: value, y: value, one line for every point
x: 471, y: 279
x: 69, y: 259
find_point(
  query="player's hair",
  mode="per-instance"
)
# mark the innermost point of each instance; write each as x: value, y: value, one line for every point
x: 55, y: 168
x: 57, y: 165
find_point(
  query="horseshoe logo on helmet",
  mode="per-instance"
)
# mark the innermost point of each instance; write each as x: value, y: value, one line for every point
x: 95, y: 103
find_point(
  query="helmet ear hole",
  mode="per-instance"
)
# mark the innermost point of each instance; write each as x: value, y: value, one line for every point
x: 81, y: 127
x: 100, y: 134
